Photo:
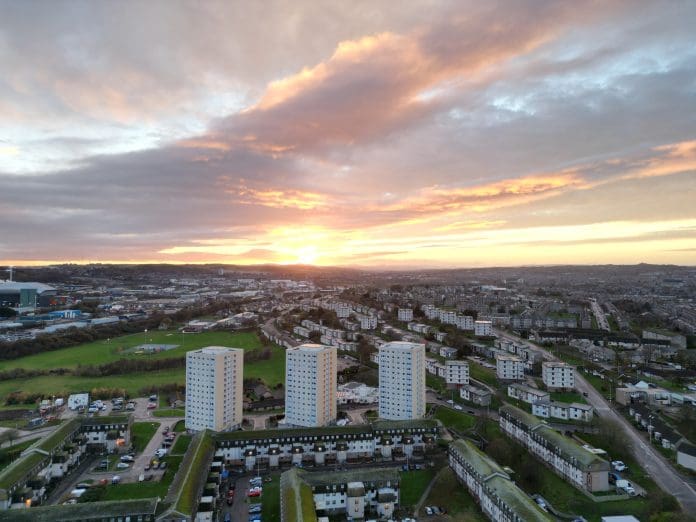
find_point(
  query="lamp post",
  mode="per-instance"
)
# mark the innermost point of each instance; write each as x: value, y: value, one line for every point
x: 650, y: 418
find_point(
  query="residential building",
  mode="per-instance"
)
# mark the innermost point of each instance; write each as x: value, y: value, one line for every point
x: 358, y: 494
x: 483, y: 329
x: 558, y: 375
x: 575, y: 411
x: 405, y: 314
x: 478, y: 396
x: 509, y: 367
x: 214, y: 388
x: 497, y: 495
x: 686, y: 455
x: 580, y: 467
x: 457, y: 372
x: 310, y: 385
x: 401, y: 381
x: 527, y: 394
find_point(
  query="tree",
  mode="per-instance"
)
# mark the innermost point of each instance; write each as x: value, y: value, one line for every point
x: 6, y: 311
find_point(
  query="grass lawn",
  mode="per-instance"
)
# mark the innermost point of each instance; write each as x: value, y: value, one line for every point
x: 179, y: 426
x: 568, y: 397
x: 484, y: 375
x: 141, y: 434
x: 101, y: 352
x: 145, y: 489
x: 270, y: 499
x: 181, y: 444
x: 169, y: 412
x: 449, y: 494
x: 455, y: 419
x: 413, y: 484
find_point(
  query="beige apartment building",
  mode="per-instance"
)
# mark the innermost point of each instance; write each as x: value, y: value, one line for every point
x: 310, y: 385
x: 214, y: 388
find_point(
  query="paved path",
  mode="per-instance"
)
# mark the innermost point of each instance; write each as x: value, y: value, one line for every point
x: 655, y: 464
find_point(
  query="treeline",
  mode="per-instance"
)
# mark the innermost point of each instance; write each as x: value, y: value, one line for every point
x: 127, y: 366
x: 259, y: 354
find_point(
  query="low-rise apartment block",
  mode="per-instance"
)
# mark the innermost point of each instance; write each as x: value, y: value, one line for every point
x: 405, y: 314
x: 478, y: 396
x: 580, y: 467
x: 483, y: 329
x: 558, y: 375
x: 497, y: 495
x: 526, y: 393
x: 457, y: 373
x: 509, y: 367
x: 562, y: 410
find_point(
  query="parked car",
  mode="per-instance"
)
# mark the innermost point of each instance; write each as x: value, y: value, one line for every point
x: 141, y: 477
x: 541, y: 502
x: 458, y: 407
x: 123, y: 465
x: 626, y: 486
x: 115, y: 479
x: 147, y: 467
x: 163, y: 465
x: 161, y: 452
x: 618, y: 465
x: 127, y: 458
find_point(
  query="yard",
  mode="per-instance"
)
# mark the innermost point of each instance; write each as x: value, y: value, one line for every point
x: 413, y: 484
x: 448, y: 493
x: 142, y: 433
x: 568, y: 397
x: 270, y: 499
x: 455, y: 419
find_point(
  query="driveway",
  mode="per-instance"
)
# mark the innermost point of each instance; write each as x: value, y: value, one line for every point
x: 654, y: 463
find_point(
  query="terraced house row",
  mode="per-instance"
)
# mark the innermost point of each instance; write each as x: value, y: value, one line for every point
x: 564, y: 456
x: 498, y: 496
x: 28, y: 479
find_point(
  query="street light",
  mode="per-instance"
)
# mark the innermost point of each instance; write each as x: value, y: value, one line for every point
x: 650, y: 418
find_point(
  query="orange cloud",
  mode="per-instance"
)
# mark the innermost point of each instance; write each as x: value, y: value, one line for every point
x: 277, y: 198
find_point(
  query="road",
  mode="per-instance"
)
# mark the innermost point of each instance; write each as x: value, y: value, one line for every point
x: 654, y: 463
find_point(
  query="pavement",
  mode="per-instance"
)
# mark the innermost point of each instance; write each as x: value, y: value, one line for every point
x: 653, y: 462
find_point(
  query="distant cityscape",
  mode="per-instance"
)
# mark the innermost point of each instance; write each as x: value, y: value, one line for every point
x: 223, y: 392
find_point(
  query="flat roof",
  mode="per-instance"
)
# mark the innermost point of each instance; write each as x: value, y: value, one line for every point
x: 402, y: 345
x: 118, y: 509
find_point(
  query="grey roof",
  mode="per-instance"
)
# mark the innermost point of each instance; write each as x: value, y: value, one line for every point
x: 16, y: 287
x: 85, y: 511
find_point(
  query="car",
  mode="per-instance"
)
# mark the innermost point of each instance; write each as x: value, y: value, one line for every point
x: 115, y: 479
x: 428, y: 510
x: 141, y: 477
x: 613, y: 477
x: 230, y: 501
x: 255, y: 518
x: 228, y: 517
x: 254, y: 508
x: 163, y: 465
x: 83, y: 485
x: 450, y: 401
x: 149, y: 477
x: 153, y: 398
x: 103, y: 482
x: 618, y: 465
x: 160, y: 452
x: 127, y: 458
x: 458, y: 407
x: 151, y: 406
x: 147, y: 467
x: 123, y: 465
x: 253, y: 493
x: 541, y: 502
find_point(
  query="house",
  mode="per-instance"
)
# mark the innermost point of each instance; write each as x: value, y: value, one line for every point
x: 548, y: 409
x: 527, y: 394
x: 686, y: 455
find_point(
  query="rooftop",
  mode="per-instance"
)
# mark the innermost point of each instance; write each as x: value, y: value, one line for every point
x: 118, y: 509
x: 402, y: 346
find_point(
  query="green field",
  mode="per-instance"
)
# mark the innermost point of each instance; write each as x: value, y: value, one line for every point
x: 169, y: 412
x: 451, y: 495
x: 181, y: 444
x: 102, y: 352
x: 568, y: 397
x: 454, y: 419
x: 481, y: 374
x: 413, y: 484
x: 271, y: 371
x: 141, y: 434
x: 270, y: 499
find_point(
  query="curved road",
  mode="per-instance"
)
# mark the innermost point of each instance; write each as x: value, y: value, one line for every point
x: 654, y: 463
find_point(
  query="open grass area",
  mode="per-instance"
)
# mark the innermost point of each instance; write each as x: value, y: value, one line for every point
x: 271, y: 371
x: 448, y: 493
x: 413, y: 484
x: 146, y: 489
x: 481, y: 374
x: 568, y: 397
x: 179, y: 426
x: 169, y: 412
x: 142, y: 433
x: 455, y: 419
x: 270, y: 499
x: 181, y: 444
x: 105, y: 351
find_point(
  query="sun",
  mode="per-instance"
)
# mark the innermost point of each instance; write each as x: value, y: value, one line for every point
x: 307, y: 255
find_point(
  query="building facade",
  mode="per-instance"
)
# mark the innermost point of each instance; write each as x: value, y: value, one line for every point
x: 310, y: 385
x: 509, y: 367
x: 401, y: 381
x: 457, y: 372
x: 558, y: 375
x: 214, y: 388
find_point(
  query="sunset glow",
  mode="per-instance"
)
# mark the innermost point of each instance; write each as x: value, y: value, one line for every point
x: 398, y: 135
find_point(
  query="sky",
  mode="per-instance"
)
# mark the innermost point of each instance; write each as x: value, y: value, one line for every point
x: 362, y: 133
